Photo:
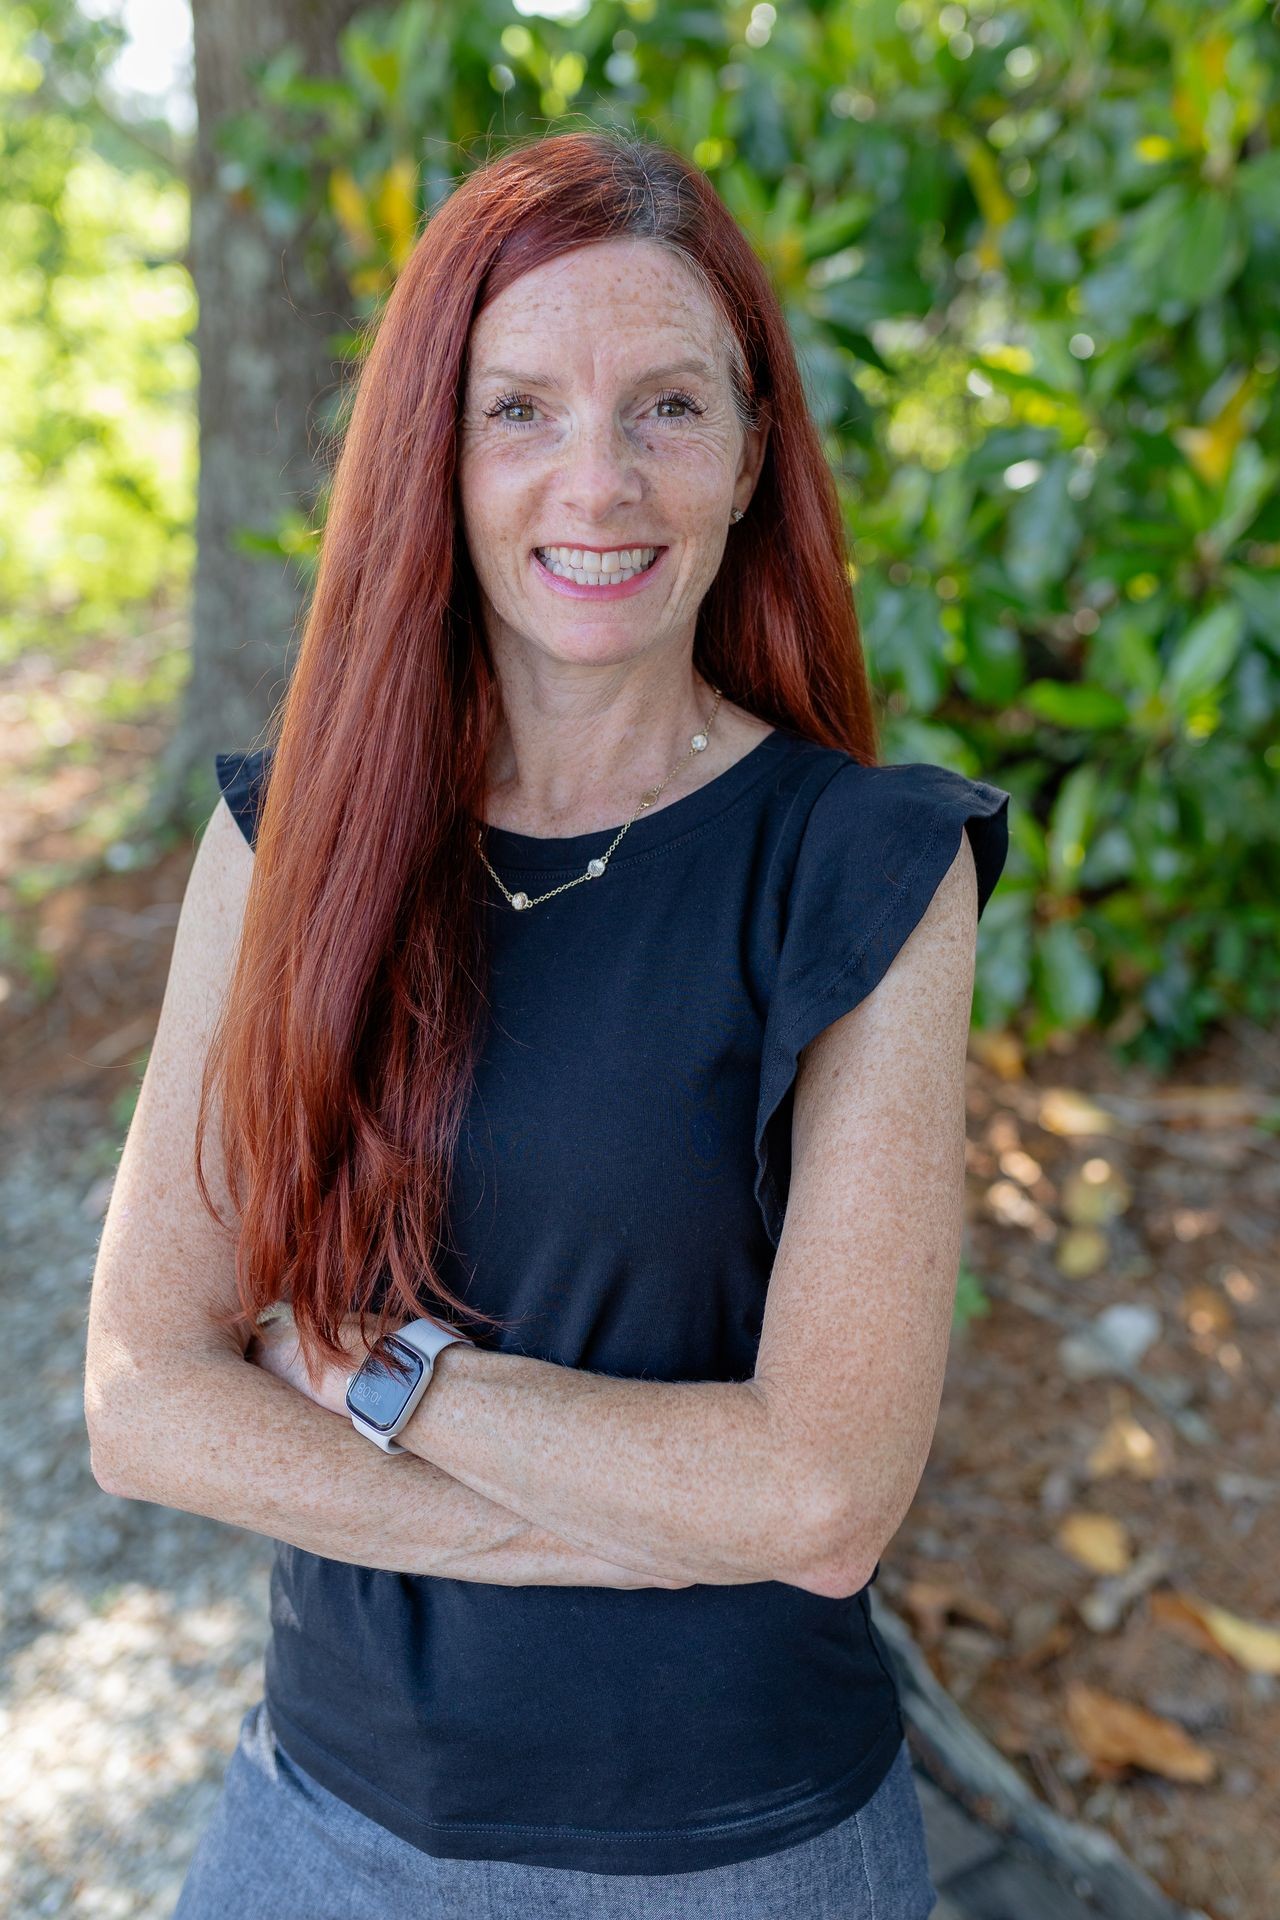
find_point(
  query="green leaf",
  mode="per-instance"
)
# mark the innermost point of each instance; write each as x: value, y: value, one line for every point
x: 1204, y: 655
x: 1258, y: 592
x: 906, y: 643
x: 1043, y: 531
x: 1071, y: 982
x: 1207, y: 251
x: 1249, y: 483
x: 836, y: 226
x: 1068, y: 705
x: 1071, y: 825
x: 1257, y: 185
x: 876, y: 292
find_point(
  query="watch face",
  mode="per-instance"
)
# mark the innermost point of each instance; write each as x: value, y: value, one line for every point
x: 378, y: 1395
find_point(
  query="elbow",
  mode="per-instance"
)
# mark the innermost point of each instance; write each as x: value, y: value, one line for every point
x: 833, y: 1557
x: 106, y: 1477
x: 825, y: 1547
x: 104, y: 1453
x: 834, y: 1569
x: 101, y: 1465
x: 835, y: 1581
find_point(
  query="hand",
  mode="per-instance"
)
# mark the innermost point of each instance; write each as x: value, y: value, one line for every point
x: 276, y: 1349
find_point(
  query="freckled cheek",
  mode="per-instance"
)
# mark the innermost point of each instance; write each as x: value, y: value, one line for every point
x: 686, y: 480
x: 500, y: 507
x: 689, y: 495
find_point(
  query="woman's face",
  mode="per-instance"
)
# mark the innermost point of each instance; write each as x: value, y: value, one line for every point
x: 597, y: 420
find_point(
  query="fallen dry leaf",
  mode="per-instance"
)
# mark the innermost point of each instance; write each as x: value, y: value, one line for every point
x: 931, y: 1603
x: 1065, y: 1111
x: 1126, y: 1446
x: 1169, y: 1610
x: 1039, y: 1632
x: 1012, y: 1207
x: 1096, y: 1540
x: 1094, y: 1194
x: 1252, y: 1646
x: 1081, y: 1252
x: 1115, y: 1733
x: 1206, y: 1312
x: 1000, y: 1050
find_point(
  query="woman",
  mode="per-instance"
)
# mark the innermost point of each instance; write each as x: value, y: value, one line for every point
x: 583, y: 944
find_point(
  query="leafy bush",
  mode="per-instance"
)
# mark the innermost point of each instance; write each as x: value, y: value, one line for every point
x: 1028, y: 255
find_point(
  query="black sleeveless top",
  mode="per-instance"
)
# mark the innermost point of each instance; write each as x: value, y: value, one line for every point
x: 617, y: 1197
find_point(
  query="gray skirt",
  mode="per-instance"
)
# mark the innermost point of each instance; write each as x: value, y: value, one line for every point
x: 279, y: 1846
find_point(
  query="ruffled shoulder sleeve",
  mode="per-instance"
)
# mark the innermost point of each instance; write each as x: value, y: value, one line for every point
x: 876, y: 845
x: 242, y: 780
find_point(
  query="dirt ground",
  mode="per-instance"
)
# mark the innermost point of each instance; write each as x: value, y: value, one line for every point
x: 1092, y: 1561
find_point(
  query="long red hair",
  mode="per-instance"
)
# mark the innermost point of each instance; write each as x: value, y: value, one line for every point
x: 344, y: 1053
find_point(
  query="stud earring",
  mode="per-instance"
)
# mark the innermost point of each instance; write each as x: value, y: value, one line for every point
x: 735, y: 515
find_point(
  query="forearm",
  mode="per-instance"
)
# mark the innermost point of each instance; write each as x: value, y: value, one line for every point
x: 686, y: 1477
x: 224, y: 1439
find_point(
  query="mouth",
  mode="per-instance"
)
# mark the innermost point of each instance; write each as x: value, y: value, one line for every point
x: 593, y: 567
x: 594, y: 574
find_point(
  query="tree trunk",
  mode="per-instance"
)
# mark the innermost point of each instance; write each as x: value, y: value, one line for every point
x: 267, y: 379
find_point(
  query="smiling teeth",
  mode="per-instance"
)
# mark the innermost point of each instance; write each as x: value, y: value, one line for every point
x: 595, y: 569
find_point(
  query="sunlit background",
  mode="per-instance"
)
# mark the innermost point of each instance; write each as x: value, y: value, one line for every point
x: 1028, y: 254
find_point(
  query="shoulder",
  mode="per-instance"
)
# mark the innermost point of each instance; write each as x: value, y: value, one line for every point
x: 870, y: 848
x: 892, y: 829
x: 875, y: 844
x: 242, y: 782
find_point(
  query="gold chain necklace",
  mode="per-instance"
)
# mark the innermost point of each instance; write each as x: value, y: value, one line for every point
x: 697, y: 744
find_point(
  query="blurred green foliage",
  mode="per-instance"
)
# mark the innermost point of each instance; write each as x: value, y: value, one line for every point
x: 972, y: 1301
x: 97, y: 369
x: 1028, y: 254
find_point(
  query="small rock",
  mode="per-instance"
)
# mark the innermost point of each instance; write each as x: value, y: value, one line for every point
x: 1057, y: 1490
x: 1128, y: 1329
x: 1118, y: 1338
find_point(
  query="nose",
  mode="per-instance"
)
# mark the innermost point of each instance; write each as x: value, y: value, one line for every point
x: 599, y: 470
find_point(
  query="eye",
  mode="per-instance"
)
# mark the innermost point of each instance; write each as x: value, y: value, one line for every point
x: 673, y: 398
x: 676, y: 398
x: 504, y: 405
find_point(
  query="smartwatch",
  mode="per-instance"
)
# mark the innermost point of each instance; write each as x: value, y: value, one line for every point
x: 379, y: 1400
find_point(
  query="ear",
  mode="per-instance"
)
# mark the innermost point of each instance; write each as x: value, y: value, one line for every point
x: 754, y: 442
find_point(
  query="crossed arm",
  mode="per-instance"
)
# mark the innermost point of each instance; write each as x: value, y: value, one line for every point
x: 527, y: 1472
x: 677, y: 1479
x: 804, y: 1472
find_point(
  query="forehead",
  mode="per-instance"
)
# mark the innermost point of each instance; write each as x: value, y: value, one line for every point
x: 597, y: 309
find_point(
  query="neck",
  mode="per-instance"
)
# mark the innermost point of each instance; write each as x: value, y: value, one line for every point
x: 582, y: 770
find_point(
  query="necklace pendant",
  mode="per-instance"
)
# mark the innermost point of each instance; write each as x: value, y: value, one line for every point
x: 519, y: 901
x: 698, y: 742
x: 595, y: 868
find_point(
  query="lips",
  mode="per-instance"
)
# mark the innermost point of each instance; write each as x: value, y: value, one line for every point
x: 619, y: 585
x: 568, y: 546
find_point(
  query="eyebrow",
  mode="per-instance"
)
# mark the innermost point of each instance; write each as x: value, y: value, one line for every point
x: 549, y: 380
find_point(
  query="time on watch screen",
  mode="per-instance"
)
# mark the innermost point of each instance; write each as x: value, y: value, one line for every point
x: 377, y: 1394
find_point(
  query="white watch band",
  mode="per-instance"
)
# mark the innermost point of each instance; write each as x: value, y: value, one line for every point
x: 428, y: 1338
